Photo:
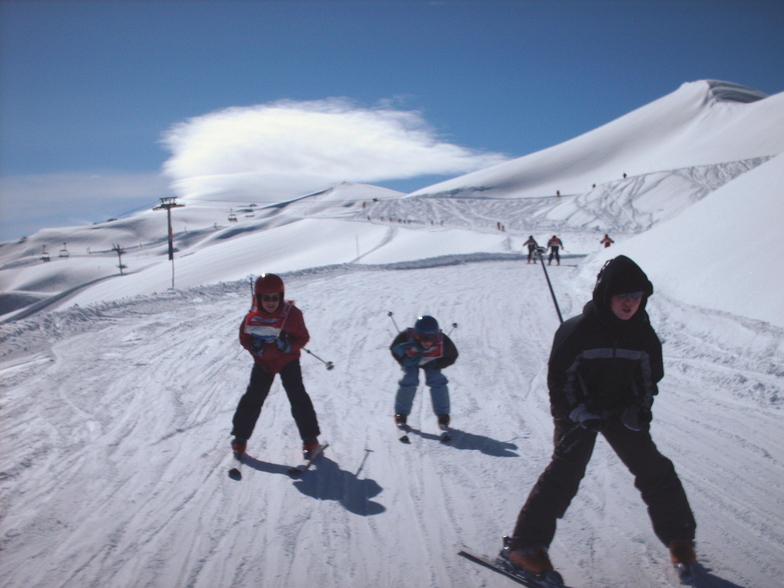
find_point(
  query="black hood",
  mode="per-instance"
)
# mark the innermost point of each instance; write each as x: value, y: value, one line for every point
x: 620, y: 275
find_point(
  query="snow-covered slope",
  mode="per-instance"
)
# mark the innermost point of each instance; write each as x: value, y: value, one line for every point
x: 702, y: 123
x: 675, y: 151
x: 722, y: 253
x: 115, y: 410
x: 115, y: 422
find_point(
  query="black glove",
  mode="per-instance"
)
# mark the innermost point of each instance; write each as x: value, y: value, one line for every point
x: 257, y: 345
x: 586, y: 419
x: 636, y: 418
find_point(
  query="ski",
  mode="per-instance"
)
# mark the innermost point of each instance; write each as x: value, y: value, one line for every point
x: 402, y: 433
x: 235, y: 469
x: 446, y: 434
x: 308, y: 461
x: 688, y: 575
x: 551, y: 579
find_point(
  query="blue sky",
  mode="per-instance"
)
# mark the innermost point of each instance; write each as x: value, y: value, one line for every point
x: 99, y: 99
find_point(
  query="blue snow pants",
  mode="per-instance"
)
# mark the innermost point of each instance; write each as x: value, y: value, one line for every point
x: 407, y: 386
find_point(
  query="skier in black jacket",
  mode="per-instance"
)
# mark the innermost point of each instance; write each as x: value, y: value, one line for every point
x: 533, y: 246
x: 603, y: 370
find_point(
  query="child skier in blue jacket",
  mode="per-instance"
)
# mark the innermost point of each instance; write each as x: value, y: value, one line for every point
x: 423, y: 347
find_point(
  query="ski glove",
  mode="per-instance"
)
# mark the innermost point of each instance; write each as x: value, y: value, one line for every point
x: 412, y: 359
x: 283, y: 346
x: 410, y: 355
x: 586, y: 419
x: 636, y: 418
x: 257, y: 345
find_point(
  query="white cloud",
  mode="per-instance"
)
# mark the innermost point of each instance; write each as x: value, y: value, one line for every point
x: 284, y: 149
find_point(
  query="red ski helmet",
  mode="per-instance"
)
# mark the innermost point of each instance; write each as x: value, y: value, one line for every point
x: 268, y: 284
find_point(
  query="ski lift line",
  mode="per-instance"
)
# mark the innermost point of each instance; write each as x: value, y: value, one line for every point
x: 549, y: 284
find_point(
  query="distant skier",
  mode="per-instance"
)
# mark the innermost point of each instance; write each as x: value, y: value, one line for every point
x: 423, y: 346
x: 554, y: 245
x: 606, y: 241
x: 603, y: 372
x: 274, y: 332
x: 532, y: 247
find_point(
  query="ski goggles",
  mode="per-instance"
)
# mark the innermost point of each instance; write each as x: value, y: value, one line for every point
x: 270, y: 297
x: 633, y: 295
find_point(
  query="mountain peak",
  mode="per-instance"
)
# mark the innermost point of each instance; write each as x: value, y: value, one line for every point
x: 729, y: 92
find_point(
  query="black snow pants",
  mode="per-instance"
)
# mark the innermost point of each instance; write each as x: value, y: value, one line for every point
x: 554, y: 252
x: 249, y: 407
x: 654, y: 477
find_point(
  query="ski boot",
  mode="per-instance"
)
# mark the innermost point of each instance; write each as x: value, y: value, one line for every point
x: 309, y: 445
x: 443, y: 424
x: 239, y: 445
x: 532, y: 564
x: 401, y: 419
x: 683, y: 559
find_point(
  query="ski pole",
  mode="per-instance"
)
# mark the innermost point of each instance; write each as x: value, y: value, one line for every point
x: 389, y: 314
x: 552, y: 292
x: 454, y: 326
x: 329, y: 364
x: 252, y: 292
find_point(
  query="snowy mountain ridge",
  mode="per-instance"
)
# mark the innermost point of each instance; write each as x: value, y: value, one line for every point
x: 701, y: 123
x: 738, y: 121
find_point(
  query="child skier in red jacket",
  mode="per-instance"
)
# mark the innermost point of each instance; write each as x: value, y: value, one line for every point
x: 274, y: 332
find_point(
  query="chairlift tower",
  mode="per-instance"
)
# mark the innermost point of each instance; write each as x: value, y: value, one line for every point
x: 119, y: 250
x: 167, y: 204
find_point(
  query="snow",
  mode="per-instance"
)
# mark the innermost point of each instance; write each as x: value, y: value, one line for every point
x: 118, y: 391
x: 704, y: 122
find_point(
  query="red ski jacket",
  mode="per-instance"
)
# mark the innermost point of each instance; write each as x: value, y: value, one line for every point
x: 286, y: 324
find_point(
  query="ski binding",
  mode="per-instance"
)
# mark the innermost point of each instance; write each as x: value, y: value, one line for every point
x: 549, y: 579
x: 686, y: 574
x: 308, y: 461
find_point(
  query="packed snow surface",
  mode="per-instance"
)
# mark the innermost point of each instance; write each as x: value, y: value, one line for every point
x: 118, y: 390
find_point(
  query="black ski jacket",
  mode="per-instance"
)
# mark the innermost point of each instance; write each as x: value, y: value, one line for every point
x: 604, y: 362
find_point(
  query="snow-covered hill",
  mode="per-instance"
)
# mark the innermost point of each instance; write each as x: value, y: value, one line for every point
x: 674, y: 152
x: 702, y: 123
x: 118, y: 391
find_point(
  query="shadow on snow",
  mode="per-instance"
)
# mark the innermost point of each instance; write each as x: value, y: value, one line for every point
x: 469, y: 441
x: 326, y: 481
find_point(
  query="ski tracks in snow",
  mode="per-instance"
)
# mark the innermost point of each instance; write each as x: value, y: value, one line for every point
x: 116, y: 440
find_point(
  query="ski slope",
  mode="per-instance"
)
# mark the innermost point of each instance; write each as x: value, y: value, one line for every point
x: 117, y: 391
x: 118, y: 418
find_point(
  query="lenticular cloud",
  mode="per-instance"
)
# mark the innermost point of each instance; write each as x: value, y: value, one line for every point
x: 285, y: 149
